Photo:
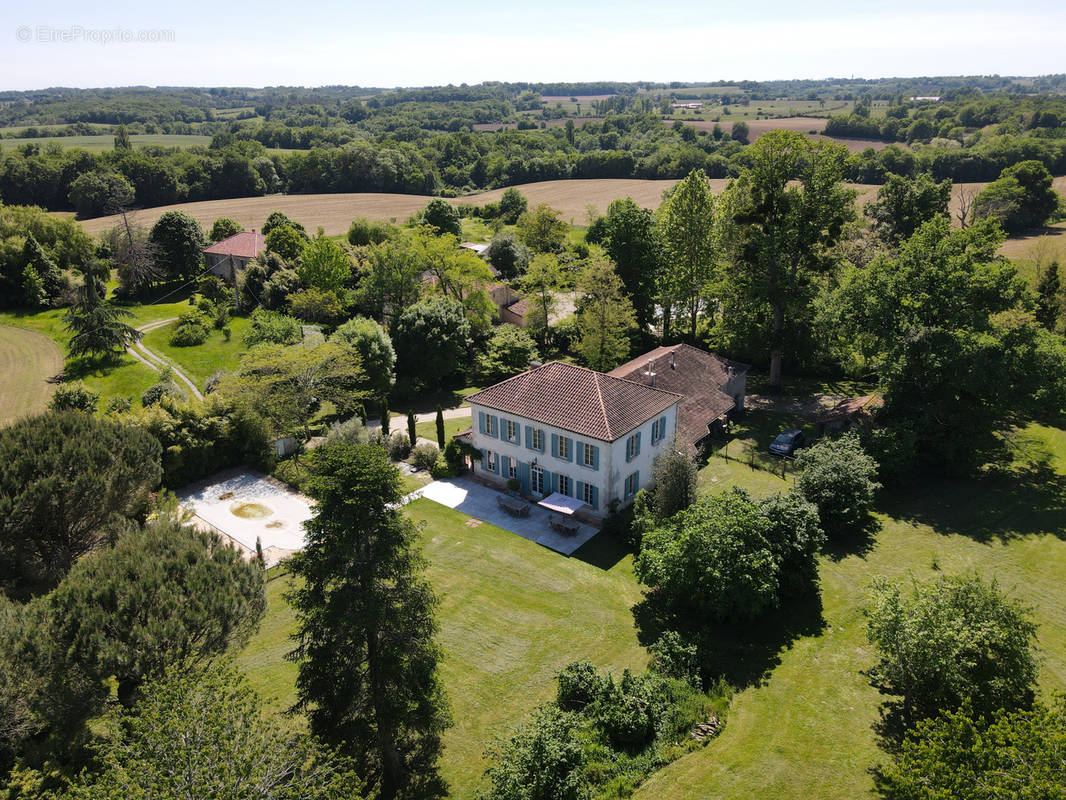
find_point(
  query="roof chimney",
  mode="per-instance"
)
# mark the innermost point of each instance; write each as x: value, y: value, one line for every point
x: 649, y: 373
x: 672, y: 364
x: 534, y: 364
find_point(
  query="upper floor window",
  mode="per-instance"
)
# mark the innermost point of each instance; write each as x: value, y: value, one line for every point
x: 511, y: 430
x: 588, y: 454
x: 632, y: 446
x: 537, y: 437
x: 564, y: 448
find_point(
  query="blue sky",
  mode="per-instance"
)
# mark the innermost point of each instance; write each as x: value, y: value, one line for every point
x: 428, y: 43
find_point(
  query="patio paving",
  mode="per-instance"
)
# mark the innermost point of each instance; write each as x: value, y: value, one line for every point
x: 478, y: 501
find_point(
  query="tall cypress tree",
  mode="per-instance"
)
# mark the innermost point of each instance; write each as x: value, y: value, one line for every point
x: 368, y: 663
x: 1049, y: 297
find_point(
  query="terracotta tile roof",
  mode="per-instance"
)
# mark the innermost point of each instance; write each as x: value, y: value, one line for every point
x: 577, y: 399
x: 696, y: 374
x: 246, y: 244
x: 520, y: 307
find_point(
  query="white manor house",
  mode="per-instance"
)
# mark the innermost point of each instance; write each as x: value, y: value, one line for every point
x: 593, y: 436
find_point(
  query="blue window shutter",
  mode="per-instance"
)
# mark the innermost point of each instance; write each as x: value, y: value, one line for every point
x: 579, y: 490
x: 595, y: 457
x: 495, y: 433
x: 595, y: 497
x: 637, y: 451
x: 636, y: 481
x: 485, y: 459
x: 523, y: 476
x: 662, y: 428
x: 481, y: 421
x: 541, y: 448
x: 504, y: 463
x: 555, y: 445
x: 529, y: 437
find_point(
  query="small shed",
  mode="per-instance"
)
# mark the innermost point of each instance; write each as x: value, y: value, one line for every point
x: 849, y: 414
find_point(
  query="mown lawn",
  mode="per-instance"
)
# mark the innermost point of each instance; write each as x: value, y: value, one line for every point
x: 801, y: 724
x: 121, y: 376
x: 201, y: 361
x: 805, y: 728
x: 512, y: 614
x: 428, y: 430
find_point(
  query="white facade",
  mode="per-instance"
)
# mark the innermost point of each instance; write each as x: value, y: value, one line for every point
x: 542, y: 464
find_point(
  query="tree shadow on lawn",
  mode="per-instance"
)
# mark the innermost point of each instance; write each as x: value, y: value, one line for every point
x: 1003, y: 503
x: 603, y: 551
x: 95, y: 366
x: 743, y: 654
x: 857, y: 542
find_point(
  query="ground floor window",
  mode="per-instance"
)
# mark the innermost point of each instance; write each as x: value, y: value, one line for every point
x: 632, y: 484
x: 490, y: 461
x: 566, y: 486
x: 588, y: 494
x: 512, y: 468
x: 536, y: 476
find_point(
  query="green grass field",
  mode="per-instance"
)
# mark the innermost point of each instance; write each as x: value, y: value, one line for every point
x: 121, y: 377
x: 36, y: 360
x: 800, y: 726
x: 512, y: 614
x: 201, y: 361
x: 805, y: 729
x: 428, y: 430
x: 106, y: 141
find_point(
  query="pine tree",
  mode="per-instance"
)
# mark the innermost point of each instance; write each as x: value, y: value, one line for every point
x: 368, y: 676
x: 412, y: 428
x: 96, y: 325
x: 1049, y: 297
x: 33, y: 294
x: 440, y: 427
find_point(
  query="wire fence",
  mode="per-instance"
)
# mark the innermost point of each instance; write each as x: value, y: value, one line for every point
x: 754, y: 456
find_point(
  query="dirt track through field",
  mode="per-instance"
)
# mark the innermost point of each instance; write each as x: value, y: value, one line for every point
x: 156, y: 362
x: 29, y: 361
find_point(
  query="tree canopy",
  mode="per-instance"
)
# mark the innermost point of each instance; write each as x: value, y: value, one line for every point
x: 366, y: 652
x: 160, y: 596
x: 432, y: 340
x: 65, y: 480
x: 955, y: 640
x: 177, y: 244
x: 202, y: 732
x: 782, y: 216
x: 605, y: 316
x: 725, y: 556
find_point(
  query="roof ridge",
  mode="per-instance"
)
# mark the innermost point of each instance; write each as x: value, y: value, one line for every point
x: 603, y: 406
x: 642, y: 385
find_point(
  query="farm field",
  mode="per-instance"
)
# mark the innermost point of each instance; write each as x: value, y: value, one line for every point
x: 512, y: 614
x: 809, y: 126
x: 335, y: 212
x: 800, y: 725
x: 35, y: 359
x: 106, y: 142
